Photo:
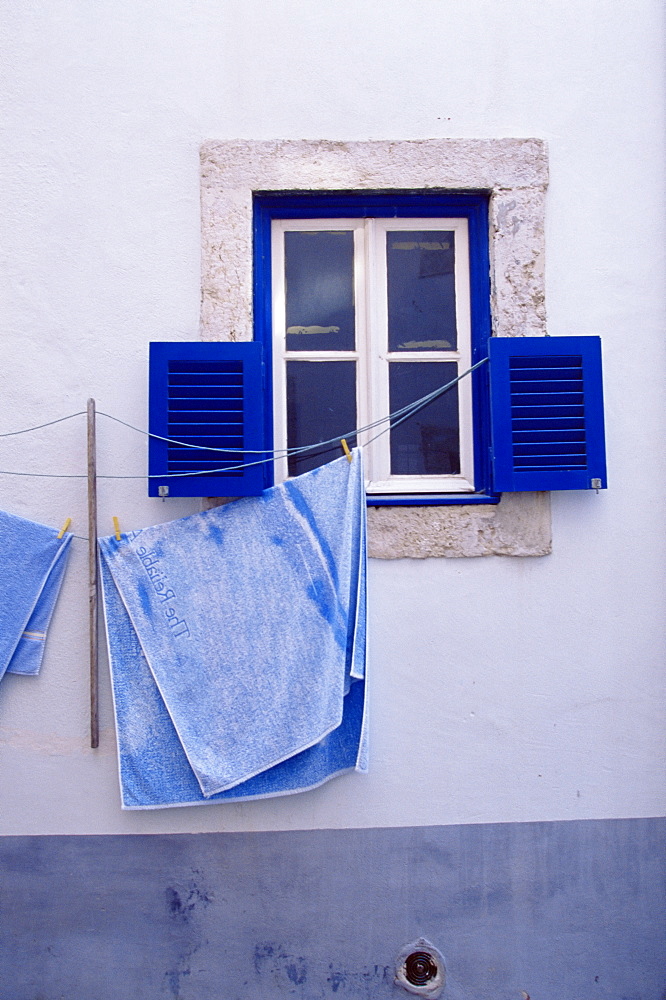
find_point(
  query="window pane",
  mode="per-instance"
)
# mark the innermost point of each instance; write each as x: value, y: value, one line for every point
x: 421, y: 291
x: 321, y: 403
x: 426, y: 444
x: 319, y: 275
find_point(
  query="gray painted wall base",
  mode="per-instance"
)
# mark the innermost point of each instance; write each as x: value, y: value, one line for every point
x: 553, y: 911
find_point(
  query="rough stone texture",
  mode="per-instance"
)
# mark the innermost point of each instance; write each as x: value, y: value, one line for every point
x: 518, y: 526
x: 518, y: 301
x: 513, y: 171
x: 226, y: 287
x: 295, y: 164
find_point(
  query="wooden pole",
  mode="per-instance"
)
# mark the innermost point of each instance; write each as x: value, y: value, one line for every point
x: 92, y: 574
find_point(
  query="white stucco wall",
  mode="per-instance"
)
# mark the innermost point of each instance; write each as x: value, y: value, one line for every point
x: 502, y: 688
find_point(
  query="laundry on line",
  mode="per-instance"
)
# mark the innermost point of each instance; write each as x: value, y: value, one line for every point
x: 237, y: 644
x: 34, y: 558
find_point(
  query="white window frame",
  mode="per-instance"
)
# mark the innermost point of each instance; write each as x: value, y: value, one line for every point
x: 371, y: 354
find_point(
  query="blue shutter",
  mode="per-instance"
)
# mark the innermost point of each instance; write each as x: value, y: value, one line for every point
x: 210, y: 395
x: 547, y: 413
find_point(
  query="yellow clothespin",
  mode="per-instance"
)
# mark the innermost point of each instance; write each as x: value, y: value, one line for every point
x: 64, y: 528
x: 345, y: 448
x: 116, y: 528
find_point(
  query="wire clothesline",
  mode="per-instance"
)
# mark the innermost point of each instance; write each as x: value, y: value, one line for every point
x: 49, y: 423
x: 391, y: 420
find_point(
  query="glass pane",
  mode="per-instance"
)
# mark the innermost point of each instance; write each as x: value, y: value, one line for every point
x: 426, y: 444
x: 321, y: 403
x: 421, y: 291
x: 319, y: 275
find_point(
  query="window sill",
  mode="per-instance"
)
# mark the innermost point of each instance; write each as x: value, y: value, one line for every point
x: 430, y: 499
x: 518, y: 525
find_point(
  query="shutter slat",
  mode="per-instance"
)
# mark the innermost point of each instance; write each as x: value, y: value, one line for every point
x: 544, y: 363
x: 228, y: 393
x: 195, y: 429
x: 547, y: 412
x: 549, y: 385
x: 181, y: 406
x: 206, y: 378
x: 550, y: 400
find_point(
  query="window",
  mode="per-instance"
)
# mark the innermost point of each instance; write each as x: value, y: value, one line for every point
x: 239, y: 177
x: 373, y: 301
x: 499, y: 187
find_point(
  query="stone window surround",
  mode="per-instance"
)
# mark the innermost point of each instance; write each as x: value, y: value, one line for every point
x: 515, y: 174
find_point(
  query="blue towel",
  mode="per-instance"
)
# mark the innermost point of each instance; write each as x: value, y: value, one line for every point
x: 237, y: 644
x: 33, y: 565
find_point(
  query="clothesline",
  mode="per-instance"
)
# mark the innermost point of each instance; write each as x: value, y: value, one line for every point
x: 303, y: 727
x: 392, y: 420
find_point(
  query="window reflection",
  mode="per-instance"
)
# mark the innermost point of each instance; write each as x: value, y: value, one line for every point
x: 421, y: 290
x: 321, y: 403
x: 426, y: 444
x: 319, y: 276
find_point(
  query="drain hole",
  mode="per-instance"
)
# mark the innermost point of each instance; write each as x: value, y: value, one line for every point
x: 420, y: 968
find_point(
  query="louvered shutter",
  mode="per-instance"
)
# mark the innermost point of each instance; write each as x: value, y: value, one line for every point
x: 209, y: 395
x: 547, y: 413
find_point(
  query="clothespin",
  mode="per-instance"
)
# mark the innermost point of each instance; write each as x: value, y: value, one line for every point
x: 116, y: 528
x: 345, y: 448
x: 64, y: 528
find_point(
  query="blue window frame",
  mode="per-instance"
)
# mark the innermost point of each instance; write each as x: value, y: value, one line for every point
x: 533, y: 413
x: 431, y: 205
x: 207, y: 426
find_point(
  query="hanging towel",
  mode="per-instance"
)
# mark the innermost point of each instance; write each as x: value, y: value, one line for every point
x: 237, y: 644
x: 33, y: 566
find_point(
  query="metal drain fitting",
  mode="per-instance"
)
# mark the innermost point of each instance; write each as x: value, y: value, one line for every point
x: 419, y: 969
